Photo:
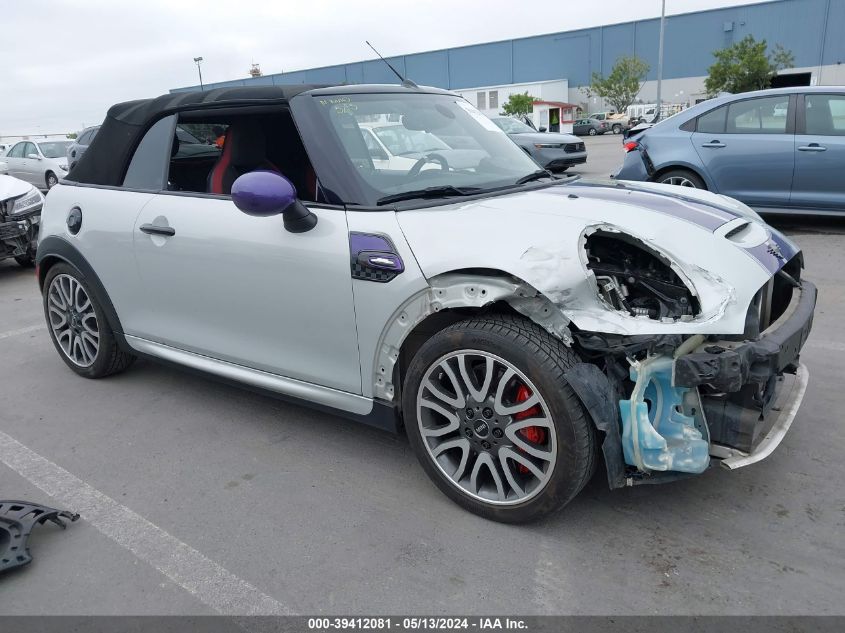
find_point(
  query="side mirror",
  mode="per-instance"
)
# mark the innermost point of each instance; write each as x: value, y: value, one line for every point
x: 33, y: 156
x: 543, y: 128
x: 264, y: 193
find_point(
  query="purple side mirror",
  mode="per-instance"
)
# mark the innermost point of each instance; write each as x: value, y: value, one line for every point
x: 264, y: 193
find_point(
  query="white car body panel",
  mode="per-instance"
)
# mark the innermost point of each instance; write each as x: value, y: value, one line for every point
x: 11, y: 187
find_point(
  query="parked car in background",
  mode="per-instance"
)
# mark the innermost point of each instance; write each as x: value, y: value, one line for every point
x: 589, y: 127
x: 393, y: 147
x: 616, y: 123
x: 4, y: 168
x: 515, y: 325
x: 41, y: 163
x: 554, y: 151
x: 743, y: 146
x: 20, y: 215
x: 77, y: 148
x: 3, y: 148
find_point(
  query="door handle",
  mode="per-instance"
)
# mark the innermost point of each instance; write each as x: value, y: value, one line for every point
x: 713, y: 144
x: 153, y: 229
x: 812, y: 147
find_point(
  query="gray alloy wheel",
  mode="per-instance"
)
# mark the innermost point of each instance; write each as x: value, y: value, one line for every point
x: 680, y: 181
x: 51, y: 180
x: 593, y: 131
x: 73, y: 320
x: 617, y: 129
x: 486, y: 427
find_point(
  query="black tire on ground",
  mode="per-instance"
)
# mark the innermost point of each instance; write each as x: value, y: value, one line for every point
x: 27, y: 261
x: 617, y: 129
x: 593, y: 131
x: 110, y: 359
x: 50, y: 180
x: 543, y: 359
x: 680, y: 176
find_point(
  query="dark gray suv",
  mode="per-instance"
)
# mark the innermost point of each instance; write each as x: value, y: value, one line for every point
x: 83, y: 140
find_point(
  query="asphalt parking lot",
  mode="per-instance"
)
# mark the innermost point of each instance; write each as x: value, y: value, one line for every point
x: 190, y: 488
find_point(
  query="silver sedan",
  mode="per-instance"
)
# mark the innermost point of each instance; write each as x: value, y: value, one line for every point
x: 41, y: 163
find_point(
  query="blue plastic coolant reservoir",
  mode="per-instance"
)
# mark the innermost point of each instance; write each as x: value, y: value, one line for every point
x: 656, y: 434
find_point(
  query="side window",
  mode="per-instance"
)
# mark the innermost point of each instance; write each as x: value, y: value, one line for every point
x: 16, y: 151
x: 85, y: 139
x: 712, y: 122
x: 825, y: 114
x: 494, y: 99
x: 481, y: 98
x: 758, y: 116
x: 148, y: 168
x: 28, y: 149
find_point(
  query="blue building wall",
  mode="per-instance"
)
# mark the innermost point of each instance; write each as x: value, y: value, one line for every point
x: 806, y: 27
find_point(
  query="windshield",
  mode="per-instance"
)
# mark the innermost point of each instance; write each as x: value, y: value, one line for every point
x: 400, y: 141
x: 434, y: 141
x: 54, y: 149
x: 513, y: 126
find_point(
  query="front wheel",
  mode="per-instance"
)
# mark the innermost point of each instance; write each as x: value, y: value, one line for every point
x: 493, y: 421
x: 51, y: 180
x: 78, y: 326
x: 593, y: 131
x: 617, y: 129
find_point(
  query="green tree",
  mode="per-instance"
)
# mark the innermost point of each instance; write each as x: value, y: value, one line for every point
x: 72, y: 135
x: 519, y: 105
x: 746, y: 66
x: 622, y: 85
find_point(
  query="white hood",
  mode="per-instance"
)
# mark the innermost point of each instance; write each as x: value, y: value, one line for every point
x: 538, y: 236
x: 12, y: 187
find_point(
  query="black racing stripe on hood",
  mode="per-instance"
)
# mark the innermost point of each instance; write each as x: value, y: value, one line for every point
x: 707, y: 216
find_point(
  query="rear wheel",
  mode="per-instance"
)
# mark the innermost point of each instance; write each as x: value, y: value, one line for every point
x: 593, y: 131
x: 617, y: 129
x: 493, y: 421
x: 78, y: 326
x: 682, y: 178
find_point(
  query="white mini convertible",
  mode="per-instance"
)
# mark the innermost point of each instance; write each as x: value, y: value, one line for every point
x: 521, y: 328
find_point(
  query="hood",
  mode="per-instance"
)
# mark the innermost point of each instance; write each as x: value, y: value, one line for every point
x: 12, y: 187
x: 546, y: 137
x: 722, y: 253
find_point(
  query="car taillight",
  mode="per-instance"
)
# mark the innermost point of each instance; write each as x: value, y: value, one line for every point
x: 630, y: 146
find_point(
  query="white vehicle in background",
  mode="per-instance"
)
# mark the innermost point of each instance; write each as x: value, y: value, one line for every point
x: 392, y: 146
x: 3, y: 148
x: 41, y: 163
x: 20, y: 215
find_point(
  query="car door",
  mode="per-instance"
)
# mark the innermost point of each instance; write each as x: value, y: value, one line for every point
x: 747, y: 150
x: 242, y: 289
x: 31, y: 167
x: 13, y: 159
x: 578, y: 127
x: 820, y: 152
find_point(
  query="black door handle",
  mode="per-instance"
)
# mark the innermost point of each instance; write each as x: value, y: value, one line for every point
x: 153, y: 229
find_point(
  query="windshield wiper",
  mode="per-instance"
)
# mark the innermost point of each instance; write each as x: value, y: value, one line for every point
x: 430, y: 192
x: 535, y: 175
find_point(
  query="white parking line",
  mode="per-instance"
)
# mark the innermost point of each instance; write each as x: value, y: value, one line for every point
x: 23, y: 330
x: 209, y: 582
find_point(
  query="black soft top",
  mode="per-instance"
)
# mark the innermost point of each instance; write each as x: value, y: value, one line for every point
x: 106, y: 159
x: 104, y: 163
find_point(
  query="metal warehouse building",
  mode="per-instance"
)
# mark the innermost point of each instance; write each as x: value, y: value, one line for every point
x: 553, y: 67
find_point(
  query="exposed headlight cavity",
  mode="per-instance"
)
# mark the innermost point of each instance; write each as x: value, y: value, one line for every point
x: 636, y: 279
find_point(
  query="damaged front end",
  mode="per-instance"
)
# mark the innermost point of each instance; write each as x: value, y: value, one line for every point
x: 684, y: 398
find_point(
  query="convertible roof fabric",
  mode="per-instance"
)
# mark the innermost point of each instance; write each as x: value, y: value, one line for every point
x: 105, y: 160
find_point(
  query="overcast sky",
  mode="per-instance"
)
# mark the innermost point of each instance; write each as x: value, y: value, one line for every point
x: 64, y: 62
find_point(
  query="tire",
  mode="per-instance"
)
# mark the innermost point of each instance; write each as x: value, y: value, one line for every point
x: 617, y: 129
x: 528, y: 358
x: 26, y: 261
x: 593, y: 131
x: 81, y: 334
x: 51, y: 180
x: 682, y: 178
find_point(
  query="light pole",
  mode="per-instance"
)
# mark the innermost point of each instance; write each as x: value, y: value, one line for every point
x: 197, y: 61
x: 660, y: 58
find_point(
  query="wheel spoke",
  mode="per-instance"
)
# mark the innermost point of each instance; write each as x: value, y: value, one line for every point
x: 511, y: 432
x: 480, y: 394
x: 485, y: 460
x: 54, y: 311
x: 461, y: 443
x: 498, y: 404
x: 503, y: 462
x: 524, y: 461
x: 439, y: 431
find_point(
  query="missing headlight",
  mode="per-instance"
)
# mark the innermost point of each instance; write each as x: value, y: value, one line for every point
x: 634, y: 278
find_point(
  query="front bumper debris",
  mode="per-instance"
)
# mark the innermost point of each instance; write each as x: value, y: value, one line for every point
x: 17, y: 518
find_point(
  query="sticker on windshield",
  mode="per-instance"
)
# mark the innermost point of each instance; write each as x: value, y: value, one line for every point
x: 475, y: 114
x: 341, y: 105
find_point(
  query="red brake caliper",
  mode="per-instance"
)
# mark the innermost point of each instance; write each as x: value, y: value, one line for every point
x: 534, y: 434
